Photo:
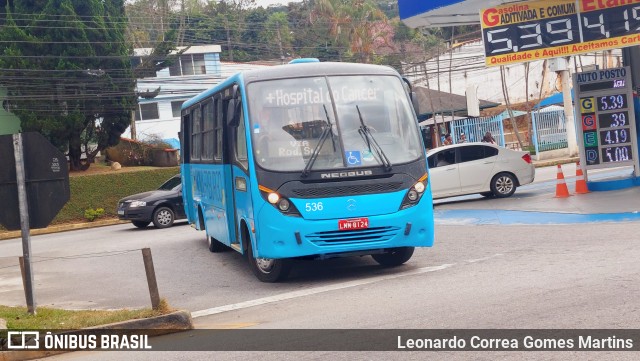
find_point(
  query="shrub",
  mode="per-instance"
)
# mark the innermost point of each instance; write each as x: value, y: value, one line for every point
x: 92, y: 214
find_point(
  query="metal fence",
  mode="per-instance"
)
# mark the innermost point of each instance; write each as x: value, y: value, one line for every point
x: 549, y: 130
x: 475, y: 128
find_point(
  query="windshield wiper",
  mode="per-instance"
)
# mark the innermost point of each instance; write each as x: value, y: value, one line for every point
x: 365, y: 132
x: 323, y: 137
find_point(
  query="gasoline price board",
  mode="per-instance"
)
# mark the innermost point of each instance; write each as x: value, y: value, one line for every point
x: 606, y: 118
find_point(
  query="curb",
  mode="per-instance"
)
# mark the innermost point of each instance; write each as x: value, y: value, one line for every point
x: 4, y: 235
x: 161, y: 325
x: 552, y: 162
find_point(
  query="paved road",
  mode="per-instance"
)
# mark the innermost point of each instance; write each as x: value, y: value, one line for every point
x: 477, y: 277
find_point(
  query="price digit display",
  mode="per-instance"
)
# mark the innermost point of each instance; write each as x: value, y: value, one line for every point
x: 612, y: 102
x: 613, y: 120
x: 531, y: 36
x: 617, y: 154
x: 615, y: 136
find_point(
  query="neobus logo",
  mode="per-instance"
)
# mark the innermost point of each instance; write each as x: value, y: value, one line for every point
x: 357, y: 173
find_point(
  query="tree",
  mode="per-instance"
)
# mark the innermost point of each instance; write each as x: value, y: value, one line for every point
x: 355, y: 21
x: 68, y: 73
x: 277, y: 35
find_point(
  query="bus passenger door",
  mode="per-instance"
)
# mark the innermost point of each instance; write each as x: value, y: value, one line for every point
x: 237, y: 151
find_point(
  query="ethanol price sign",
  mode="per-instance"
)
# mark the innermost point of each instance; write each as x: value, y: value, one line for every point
x: 534, y: 30
x: 607, y: 132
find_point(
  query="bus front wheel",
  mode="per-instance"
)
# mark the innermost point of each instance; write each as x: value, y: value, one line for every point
x: 268, y: 269
x: 394, y: 257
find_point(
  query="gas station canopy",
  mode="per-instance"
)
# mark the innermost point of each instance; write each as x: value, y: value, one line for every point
x: 442, y: 13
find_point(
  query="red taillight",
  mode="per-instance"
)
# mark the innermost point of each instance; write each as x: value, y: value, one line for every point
x: 527, y: 158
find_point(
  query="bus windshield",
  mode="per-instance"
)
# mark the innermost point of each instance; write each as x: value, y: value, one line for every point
x: 318, y: 123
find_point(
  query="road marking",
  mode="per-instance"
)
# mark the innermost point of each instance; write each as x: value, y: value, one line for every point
x: 315, y: 290
x: 484, y: 258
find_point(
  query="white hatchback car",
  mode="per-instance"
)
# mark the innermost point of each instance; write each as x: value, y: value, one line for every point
x: 483, y: 168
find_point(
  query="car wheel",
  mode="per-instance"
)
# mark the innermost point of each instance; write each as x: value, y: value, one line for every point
x: 163, y: 217
x: 215, y: 246
x: 394, y: 257
x: 503, y: 185
x: 140, y: 224
x: 268, y: 269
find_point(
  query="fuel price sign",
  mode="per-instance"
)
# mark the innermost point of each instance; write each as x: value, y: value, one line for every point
x: 518, y: 32
x: 607, y: 132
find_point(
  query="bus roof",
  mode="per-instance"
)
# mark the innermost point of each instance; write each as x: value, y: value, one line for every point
x: 292, y: 71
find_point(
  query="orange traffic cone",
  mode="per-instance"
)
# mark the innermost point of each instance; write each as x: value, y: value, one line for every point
x: 561, y: 186
x: 581, y: 184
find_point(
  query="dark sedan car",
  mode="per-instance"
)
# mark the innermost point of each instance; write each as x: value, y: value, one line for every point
x: 162, y: 206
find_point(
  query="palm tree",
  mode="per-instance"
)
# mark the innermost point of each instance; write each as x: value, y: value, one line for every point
x: 354, y: 23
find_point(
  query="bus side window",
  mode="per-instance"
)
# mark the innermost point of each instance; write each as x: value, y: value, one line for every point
x: 184, y: 134
x: 196, y: 133
x: 207, y: 130
x: 218, y: 127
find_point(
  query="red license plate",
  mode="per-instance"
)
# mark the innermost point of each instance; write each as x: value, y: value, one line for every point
x: 353, y: 223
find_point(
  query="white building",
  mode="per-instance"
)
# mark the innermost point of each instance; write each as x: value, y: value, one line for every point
x: 198, y: 69
x: 467, y: 64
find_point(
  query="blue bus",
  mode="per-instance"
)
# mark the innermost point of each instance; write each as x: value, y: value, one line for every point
x: 307, y: 160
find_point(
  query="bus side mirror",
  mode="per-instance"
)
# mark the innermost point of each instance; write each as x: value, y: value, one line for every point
x: 414, y: 102
x: 232, y: 113
x: 412, y: 95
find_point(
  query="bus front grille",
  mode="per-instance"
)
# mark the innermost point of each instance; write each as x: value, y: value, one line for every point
x: 375, y: 234
x: 316, y: 192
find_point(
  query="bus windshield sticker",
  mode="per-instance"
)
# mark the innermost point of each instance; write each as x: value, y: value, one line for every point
x: 367, y: 156
x: 353, y: 158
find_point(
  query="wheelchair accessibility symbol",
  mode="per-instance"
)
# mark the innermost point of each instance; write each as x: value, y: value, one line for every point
x: 353, y: 158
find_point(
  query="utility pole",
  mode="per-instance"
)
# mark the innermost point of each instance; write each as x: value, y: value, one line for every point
x: 280, y: 45
x: 226, y: 25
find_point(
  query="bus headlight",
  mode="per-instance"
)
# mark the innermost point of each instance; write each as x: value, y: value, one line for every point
x: 281, y: 203
x: 284, y: 205
x: 273, y: 198
x: 415, y: 193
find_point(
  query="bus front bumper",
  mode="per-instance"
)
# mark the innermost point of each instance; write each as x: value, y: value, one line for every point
x: 281, y: 236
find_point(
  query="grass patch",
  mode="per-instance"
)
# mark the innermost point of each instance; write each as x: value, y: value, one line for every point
x: 54, y: 319
x: 105, y: 190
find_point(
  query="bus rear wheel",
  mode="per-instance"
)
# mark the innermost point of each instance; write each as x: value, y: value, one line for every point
x: 394, y: 257
x: 268, y: 269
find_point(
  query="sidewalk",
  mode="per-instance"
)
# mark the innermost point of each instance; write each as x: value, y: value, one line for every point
x: 554, y: 161
x: 61, y: 228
